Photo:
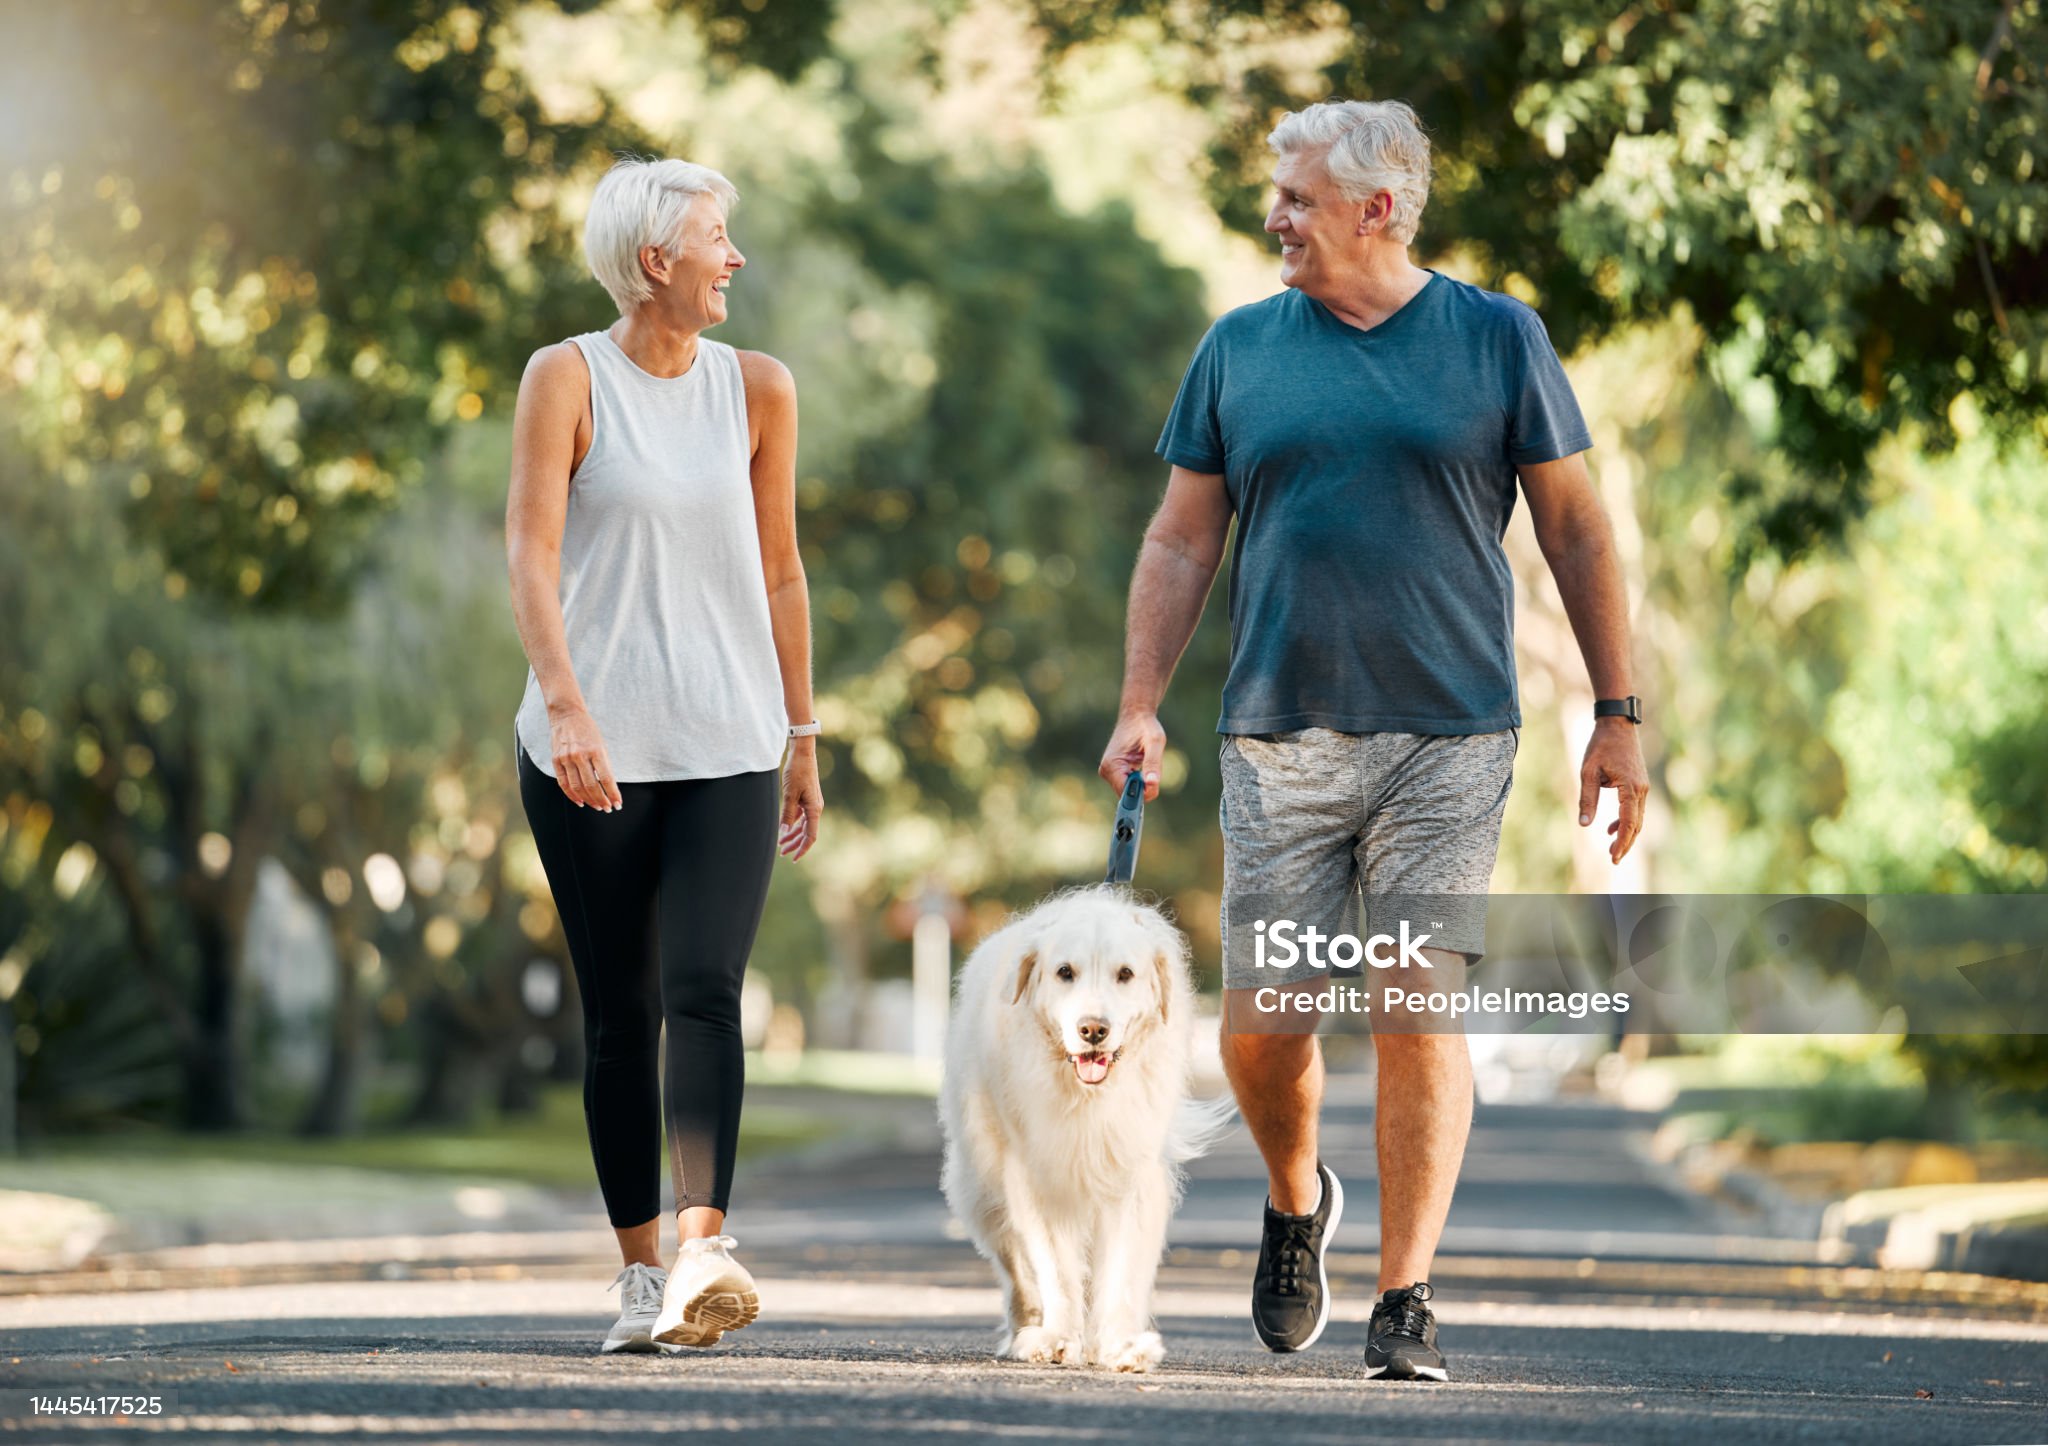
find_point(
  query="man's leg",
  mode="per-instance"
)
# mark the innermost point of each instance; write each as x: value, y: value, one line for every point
x: 1278, y: 1081
x: 1436, y: 804
x: 1291, y: 816
x: 1422, y: 1116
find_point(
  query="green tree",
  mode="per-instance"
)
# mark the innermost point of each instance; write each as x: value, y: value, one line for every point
x: 976, y: 557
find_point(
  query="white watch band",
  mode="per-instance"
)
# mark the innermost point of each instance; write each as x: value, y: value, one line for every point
x: 806, y: 730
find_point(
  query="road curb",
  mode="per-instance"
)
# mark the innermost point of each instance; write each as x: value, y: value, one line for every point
x: 1992, y: 1229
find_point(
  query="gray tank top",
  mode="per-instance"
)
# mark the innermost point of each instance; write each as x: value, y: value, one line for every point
x: 663, y: 595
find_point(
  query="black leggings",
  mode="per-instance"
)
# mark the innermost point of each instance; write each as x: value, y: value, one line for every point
x: 660, y: 902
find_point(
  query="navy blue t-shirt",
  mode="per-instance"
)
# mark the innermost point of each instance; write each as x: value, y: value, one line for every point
x: 1373, y: 475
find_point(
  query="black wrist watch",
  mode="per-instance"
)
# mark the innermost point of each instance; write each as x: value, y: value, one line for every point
x: 1630, y: 708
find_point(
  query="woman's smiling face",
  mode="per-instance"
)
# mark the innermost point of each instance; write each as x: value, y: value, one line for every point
x: 700, y: 267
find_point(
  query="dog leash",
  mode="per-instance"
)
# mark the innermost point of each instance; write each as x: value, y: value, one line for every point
x: 1130, y: 825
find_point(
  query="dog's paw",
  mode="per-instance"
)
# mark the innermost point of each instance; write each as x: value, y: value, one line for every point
x: 1044, y: 1347
x: 1139, y: 1353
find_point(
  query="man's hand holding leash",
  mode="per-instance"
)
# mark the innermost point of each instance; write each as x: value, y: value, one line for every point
x: 1138, y: 742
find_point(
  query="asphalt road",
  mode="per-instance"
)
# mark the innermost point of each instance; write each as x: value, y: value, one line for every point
x: 1583, y: 1296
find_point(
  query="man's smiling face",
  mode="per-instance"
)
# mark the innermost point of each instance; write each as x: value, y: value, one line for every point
x: 1316, y: 225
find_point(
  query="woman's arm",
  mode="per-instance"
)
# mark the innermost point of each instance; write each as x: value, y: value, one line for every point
x: 548, y: 439
x: 771, y: 418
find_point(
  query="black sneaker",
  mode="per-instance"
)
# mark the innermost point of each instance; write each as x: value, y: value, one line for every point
x: 1290, y: 1293
x: 1400, y: 1344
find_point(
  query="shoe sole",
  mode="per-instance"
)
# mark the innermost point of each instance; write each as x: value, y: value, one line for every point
x: 1322, y: 1274
x: 636, y: 1345
x: 708, y: 1316
x: 1408, y: 1373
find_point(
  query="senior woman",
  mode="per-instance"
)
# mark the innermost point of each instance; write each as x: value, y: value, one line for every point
x: 651, y: 533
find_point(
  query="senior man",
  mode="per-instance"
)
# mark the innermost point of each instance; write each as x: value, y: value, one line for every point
x: 1366, y: 427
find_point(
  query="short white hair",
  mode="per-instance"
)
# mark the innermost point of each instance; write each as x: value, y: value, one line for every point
x: 1374, y: 145
x: 641, y: 202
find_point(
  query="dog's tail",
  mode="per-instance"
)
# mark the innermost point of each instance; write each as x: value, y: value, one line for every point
x: 1197, y: 1126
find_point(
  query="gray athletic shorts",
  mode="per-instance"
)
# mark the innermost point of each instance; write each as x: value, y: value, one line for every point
x: 1318, y: 823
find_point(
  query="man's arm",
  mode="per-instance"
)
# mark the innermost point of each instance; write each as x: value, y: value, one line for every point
x: 1578, y: 544
x: 1176, y: 565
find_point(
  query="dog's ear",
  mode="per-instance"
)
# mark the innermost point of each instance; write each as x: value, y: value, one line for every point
x: 1024, y: 967
x: 1166, y: 955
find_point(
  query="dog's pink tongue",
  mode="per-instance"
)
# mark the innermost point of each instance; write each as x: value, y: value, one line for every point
x: 1092, y: 1068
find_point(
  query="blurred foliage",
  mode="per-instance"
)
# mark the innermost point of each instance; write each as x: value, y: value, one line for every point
x: 1869, y: 719
x: 2009, y: 767
x: 276, y: 245
x: 1843, y: 195
x: 91, y: 1051
x: 973, y: 559
x: 1861, y: 1088
x: 243, y: 315
x: 1966, y: 1073
x: 220, y: 737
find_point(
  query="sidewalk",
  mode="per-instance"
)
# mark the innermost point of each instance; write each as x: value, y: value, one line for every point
x: 81, y: 1211
x: 1931, y: 1211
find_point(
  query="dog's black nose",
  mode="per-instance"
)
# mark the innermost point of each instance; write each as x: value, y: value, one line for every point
x: 1094, y: 1031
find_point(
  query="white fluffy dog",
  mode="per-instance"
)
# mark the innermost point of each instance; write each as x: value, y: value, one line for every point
x: 1066, y: 1117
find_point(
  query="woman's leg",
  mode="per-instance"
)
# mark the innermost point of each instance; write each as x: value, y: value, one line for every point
x: 603, y: 871
x: 717, y: 854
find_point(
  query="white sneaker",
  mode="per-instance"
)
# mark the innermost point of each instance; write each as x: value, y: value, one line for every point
x: 639, y: 1288
x: 708, y: 1294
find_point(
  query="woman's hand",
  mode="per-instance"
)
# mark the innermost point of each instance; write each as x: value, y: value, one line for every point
x: 803, y: 802
x: 581, y: 766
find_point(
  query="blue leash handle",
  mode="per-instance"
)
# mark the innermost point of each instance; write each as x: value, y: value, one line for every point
x: 1130, y: 827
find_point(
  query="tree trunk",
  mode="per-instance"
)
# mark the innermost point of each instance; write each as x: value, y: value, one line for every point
x: 336, y: 1107
x: 8, y: 1085
x: 219, y: 913
x: 457, y: 1077
x: 213, y: 1063
x: 212, y: 1066
x: 518, y: 1083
